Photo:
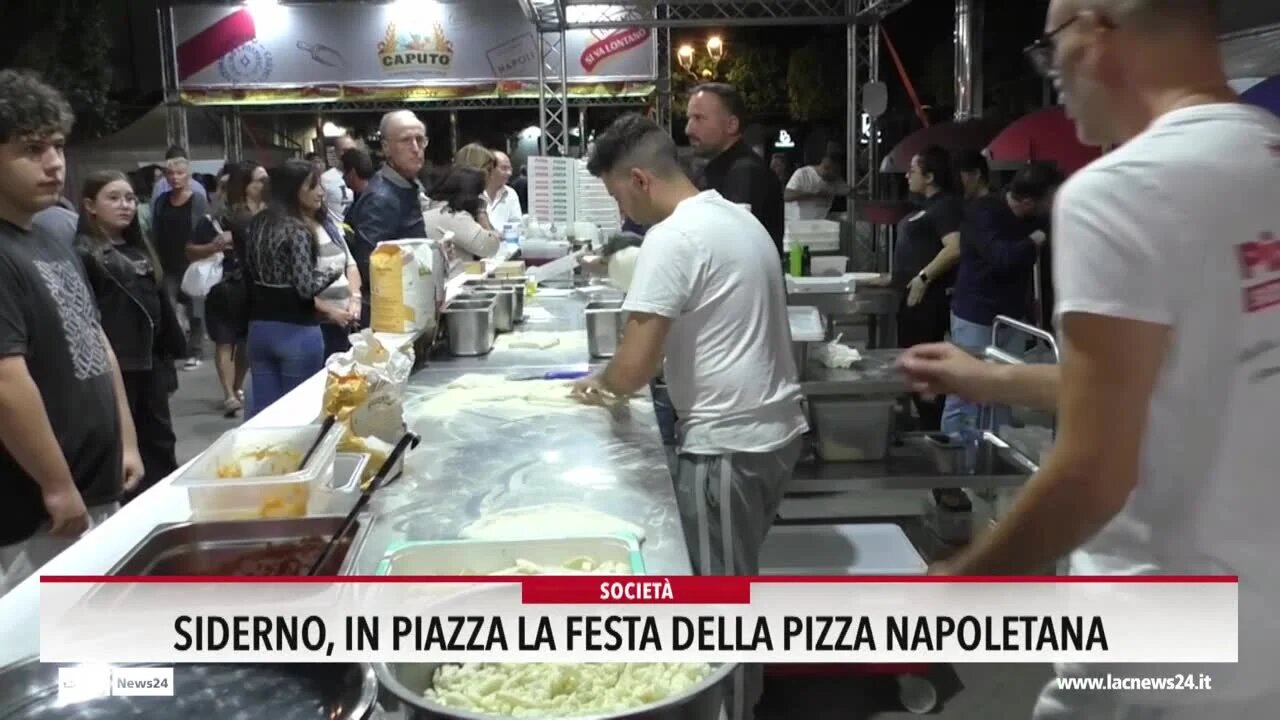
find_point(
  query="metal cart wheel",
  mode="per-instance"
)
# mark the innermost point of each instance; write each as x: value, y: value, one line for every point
x: 917, y: 694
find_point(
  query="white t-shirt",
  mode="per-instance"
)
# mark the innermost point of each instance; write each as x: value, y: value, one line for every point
x: 337, y: 196
x: 504, y: 208
x: 713, y: 269
x: 807, y: 180
x: 1157, y: 231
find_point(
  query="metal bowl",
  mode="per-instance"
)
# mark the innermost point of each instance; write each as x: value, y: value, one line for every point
x: 29, y: 690
x: 408, y: 681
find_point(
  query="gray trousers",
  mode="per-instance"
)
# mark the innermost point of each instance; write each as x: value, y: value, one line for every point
x: 727, y: 505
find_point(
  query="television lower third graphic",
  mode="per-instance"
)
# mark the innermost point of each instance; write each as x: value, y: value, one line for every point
x: 79, y: 683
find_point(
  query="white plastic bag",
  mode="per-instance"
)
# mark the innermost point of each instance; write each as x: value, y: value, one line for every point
x: 202, y: 275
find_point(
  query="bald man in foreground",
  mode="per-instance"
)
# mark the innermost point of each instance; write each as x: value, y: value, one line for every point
x: 1167, y: 460
x: 390, y: 207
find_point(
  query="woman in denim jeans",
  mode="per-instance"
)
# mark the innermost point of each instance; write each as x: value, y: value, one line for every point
x: 285, y: 343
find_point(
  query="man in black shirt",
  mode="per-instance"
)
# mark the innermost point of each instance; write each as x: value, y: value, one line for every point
x: 67, y: 443
x: 717, y: 114
x: 177, y: 214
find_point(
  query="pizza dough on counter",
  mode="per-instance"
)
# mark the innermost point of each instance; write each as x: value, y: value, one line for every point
x: 549, y: 521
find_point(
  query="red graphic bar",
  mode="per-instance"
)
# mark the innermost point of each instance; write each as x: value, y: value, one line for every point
x: 595, y: 590
x: 209, y: 45
x: 686, y: 581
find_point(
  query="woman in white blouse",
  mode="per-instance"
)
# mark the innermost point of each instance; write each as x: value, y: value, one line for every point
x: 457, y: 207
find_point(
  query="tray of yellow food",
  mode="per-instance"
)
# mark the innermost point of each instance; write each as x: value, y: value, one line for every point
x: 252, y: 473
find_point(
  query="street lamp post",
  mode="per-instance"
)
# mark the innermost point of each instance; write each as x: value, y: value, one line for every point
x: 686, y: 55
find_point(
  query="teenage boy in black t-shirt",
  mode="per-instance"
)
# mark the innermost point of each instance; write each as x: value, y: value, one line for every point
x: 67, y: 443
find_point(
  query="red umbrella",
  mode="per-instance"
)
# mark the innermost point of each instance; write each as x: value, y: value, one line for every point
x: 952, y: 136
x: 1044, y: 135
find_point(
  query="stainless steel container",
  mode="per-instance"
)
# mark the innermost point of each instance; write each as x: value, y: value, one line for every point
x: 800, y: 352
x: 851, y: 428
x: 503, y: 304
x: 283, y: 547
x: 407, y: 682
x: 471, y: 327
x: 29, y: 690
x: 605, y: 320
x: 515, y: 285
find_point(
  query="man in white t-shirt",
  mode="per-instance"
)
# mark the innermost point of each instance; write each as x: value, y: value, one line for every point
x: 811, y: 189
x: 707, y: 300
x: 337, y: 196
x: 1167, y: 269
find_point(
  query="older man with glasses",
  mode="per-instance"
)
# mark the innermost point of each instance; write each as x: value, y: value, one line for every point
x: 390, y: 208
x: 1167, y: 397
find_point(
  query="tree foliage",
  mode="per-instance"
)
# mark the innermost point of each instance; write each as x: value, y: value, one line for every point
x: 755, y: 71
x: 68, y: 44
x: 813, y: 88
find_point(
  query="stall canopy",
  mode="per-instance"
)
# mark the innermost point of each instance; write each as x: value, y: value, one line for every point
x: 1265, y: 94
x: 1043, y: 136
x: 401, y: 51
x: 965, y: 135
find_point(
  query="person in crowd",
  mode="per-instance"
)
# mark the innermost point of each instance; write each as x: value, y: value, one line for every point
x: 317, y: 161
x: 282, y: 271
x: 974, y: 173
x: 708, y: 302
x: 812, y: 188
x: 67, y: 443
x: 457, y: 206
x: 144, y: 180
x: 475, y: 155
x: 137, y: 314
x: 924, y: 262
x: 177, y: 212
x: 162, y: 182
x: 337, y: 194
x: 357, y: 171
x: 227, y: 305
x: 717, y: 115
x: 503, y: 206
x: 1167, y: 402
x: 391, y: 206
x: 999, y: 242
x: 521, y: 186
x: 338, y: 304
x: 781, y: 166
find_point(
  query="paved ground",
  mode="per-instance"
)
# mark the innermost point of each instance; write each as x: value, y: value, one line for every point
x: 972, y: 692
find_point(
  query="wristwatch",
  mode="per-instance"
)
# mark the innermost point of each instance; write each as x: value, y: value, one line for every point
x: 924, y: 277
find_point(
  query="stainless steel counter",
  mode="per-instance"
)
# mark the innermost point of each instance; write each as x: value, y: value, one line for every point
x: 878, y: 305
x: 491, y: 457
x: 874, y: 375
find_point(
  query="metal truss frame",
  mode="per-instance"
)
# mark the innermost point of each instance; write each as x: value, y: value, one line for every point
x: 341, y: 107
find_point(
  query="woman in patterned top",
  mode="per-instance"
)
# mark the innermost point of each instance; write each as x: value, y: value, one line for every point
x: 285, y: 344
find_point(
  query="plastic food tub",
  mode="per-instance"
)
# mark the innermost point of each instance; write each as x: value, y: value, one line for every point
x: 852, y: 429
x: 266, y: 487
x: 486, y: 557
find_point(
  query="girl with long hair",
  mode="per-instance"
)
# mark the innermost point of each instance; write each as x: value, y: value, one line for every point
x: 137, y: 314
x: 226, y: 307
x: 285, y: 344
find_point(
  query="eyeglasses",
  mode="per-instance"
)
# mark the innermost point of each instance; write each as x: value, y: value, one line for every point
x: 1040, y: 52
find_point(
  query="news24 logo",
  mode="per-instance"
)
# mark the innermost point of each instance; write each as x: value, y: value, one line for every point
x: 79, y: 683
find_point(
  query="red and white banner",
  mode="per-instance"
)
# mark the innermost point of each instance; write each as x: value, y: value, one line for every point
x: 641, y: 619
